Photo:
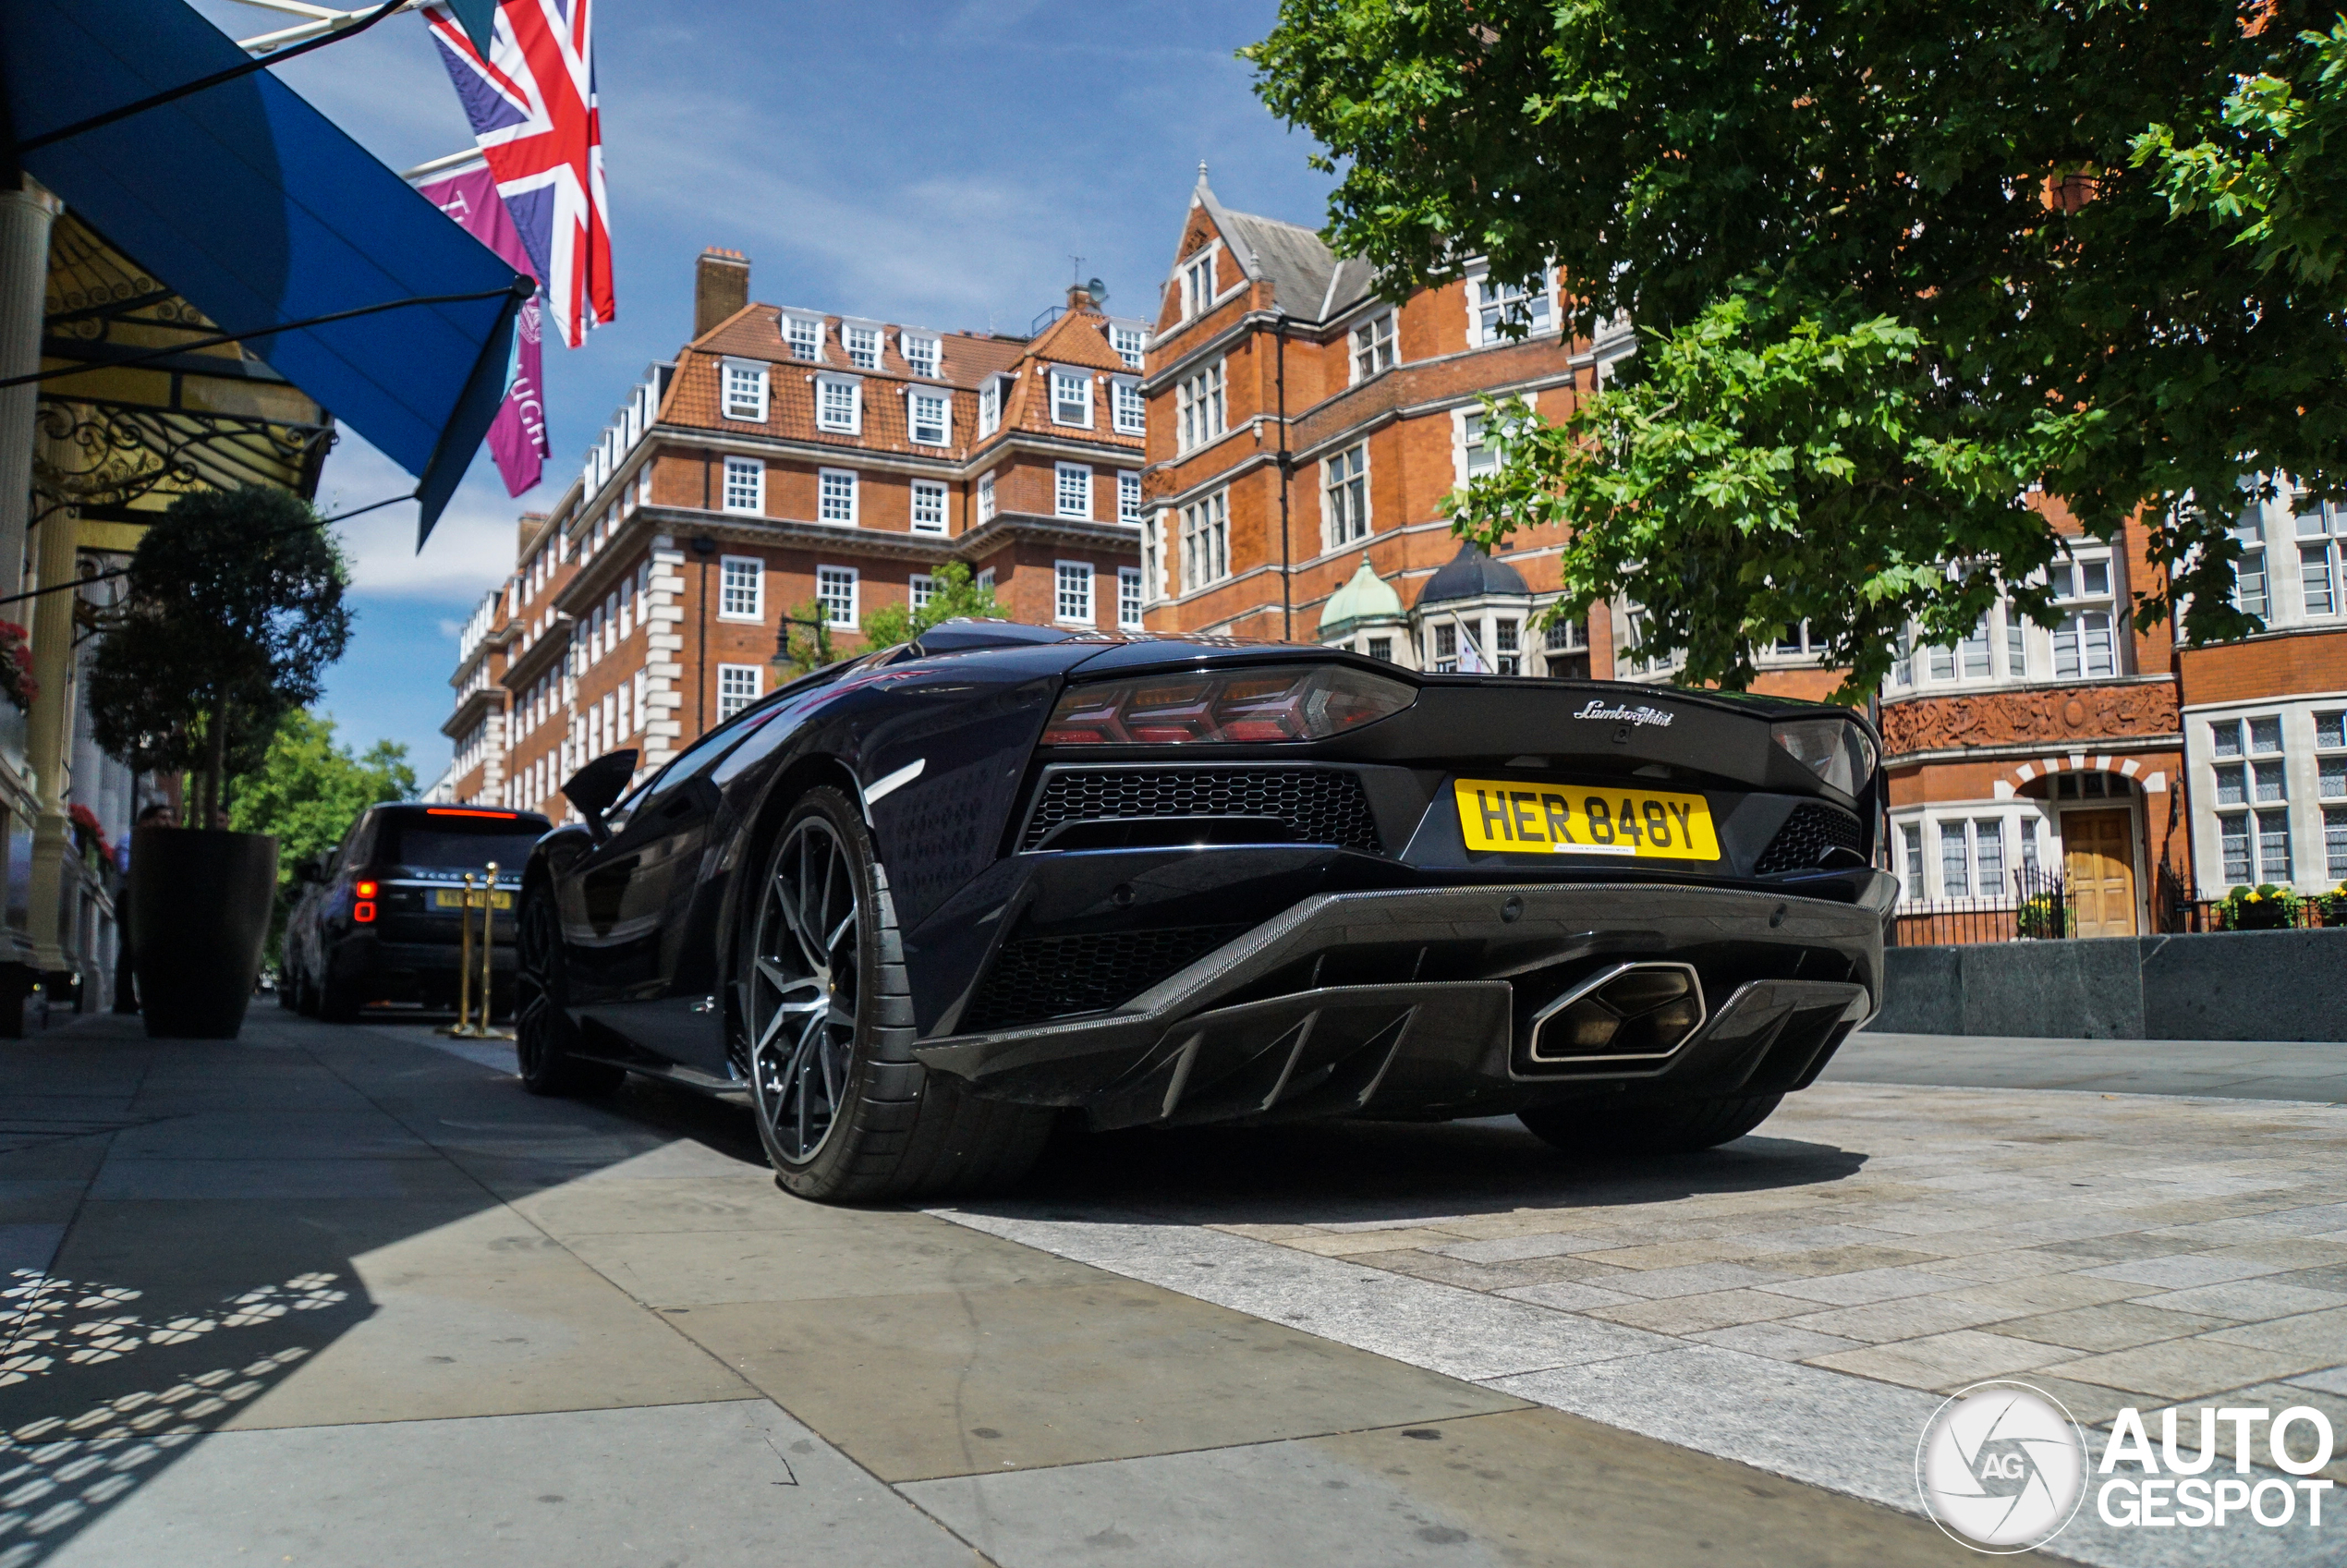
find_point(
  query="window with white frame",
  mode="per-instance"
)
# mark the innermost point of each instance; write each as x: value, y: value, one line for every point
x: 920, y: 587
x: 836, y: 495
x: 805, y: 336
x: 1373, y: 346
x: 1071, y: 491
x: 2331, y: 785
x: 1968, y: 660
x: 1198, y: 282
x: 1153, y: 559
x: 1198, y: 410
x: 1073, y: 598
x: 986, y: 498
x: 1128, y: 496
x: 2085, y: 644
x: 929, y: 507
x: 1071, y: 398
x: 1130, y: 343
x: 1128, y: 597
x: 736, y: 688
x: 745, y: 485
x: 1501, y: 309
x: 1907, y: 860
x: 1205, y: 540
x: 863, y: 343
x: 2322, y: 551
x: 1972, y: 857
x: 1127, y: 412
x: 990, y: 406
x: 2249, y: 570
x: 984, y: 581
x: 1345, y: 497
x: 1507, y: 651
x: 839, y: 405
x: 1446, y: 647
x: 835, y: 590
x: 2253, y: 798
x: 1477, y: 456
x: 1565, y: 636
x: 930, y: 417
x: 741, y: 588
x: 920, y: 353
x: 744, y: 390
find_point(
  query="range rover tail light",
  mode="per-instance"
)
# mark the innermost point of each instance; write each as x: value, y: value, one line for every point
x: 1282, y: 702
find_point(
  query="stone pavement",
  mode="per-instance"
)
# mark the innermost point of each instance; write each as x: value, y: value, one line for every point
x: 344, y: 1296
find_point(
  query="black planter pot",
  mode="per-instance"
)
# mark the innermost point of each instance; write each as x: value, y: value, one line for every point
x: 199, y: 905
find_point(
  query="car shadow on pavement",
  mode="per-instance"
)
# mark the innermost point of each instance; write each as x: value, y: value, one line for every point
x: 1364, y: 1171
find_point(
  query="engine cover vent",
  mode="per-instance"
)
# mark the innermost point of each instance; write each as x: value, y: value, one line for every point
x: 1806, y: 835
x: 1307, y: 805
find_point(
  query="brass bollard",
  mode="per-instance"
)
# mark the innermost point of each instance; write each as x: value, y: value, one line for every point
x: 481, y: 989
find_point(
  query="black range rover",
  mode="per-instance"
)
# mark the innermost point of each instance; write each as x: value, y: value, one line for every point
x: 377, y: 920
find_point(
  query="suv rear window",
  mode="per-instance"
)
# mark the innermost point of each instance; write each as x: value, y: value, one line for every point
x: 458, y: 838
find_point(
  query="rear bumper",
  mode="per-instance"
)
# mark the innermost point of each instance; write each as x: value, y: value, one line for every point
x: 410, y: 971
x: 1419, y: 1004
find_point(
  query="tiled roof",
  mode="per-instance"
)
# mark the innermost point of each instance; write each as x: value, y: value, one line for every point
x: 965, y: 358
x: 1309, y: 281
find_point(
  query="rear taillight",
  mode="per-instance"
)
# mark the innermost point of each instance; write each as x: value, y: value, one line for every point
x: 363, y: 912
x: 1234, y: 707
x: 363, y: 890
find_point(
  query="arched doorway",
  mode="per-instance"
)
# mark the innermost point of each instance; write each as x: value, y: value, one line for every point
x: 2098, y: 817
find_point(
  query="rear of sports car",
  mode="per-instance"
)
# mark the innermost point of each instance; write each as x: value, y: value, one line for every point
x: 1260, y: 885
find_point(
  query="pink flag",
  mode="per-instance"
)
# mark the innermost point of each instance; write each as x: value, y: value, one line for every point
x: 518, y: 436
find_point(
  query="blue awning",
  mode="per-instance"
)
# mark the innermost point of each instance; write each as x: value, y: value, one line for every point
x: 258, y: 210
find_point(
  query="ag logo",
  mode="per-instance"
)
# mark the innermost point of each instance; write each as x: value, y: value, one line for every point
x: 2002, y: 1467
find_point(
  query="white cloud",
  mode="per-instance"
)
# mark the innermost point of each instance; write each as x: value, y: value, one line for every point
x: 470, y: 551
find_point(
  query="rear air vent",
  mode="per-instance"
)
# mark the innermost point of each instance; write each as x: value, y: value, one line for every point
x: 1037, y: 978
x: 1252, y: 805
x: 1806, y: 835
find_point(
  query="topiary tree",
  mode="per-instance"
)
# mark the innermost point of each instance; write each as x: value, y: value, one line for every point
x: 234, y: 614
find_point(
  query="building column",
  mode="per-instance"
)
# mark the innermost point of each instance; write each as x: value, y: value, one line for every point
x: 26, y: 218
x: 47, y: 733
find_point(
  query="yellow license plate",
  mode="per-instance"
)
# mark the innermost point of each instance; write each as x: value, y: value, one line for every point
x: 1528, y: 819
x: 454, y: 898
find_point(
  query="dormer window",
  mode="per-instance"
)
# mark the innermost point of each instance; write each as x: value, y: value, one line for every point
x: 744, y: 390
x: 1071, y: 398
x: 839, y: 405
x: 1127, y: 412
x: 805, y: 336
x: 990, y: 406
x: 862, y: 344
x: 1129, y: 342
x: 928, y: 417
x: 1197, y: 283
x: 920, y: 352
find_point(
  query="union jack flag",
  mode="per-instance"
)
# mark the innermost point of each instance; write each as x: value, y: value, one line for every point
x: 533, y: 107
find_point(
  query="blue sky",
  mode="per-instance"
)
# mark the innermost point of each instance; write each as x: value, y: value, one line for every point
x: 921, y: 161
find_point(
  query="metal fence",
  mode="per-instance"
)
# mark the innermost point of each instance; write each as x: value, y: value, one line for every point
x: 2041, y: 908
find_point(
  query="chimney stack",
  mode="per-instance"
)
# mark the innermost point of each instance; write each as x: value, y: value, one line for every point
x: 721, y: 287
x: 1078, y: 297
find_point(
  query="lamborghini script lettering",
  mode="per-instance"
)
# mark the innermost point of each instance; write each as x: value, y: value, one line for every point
x: 1598, y: 710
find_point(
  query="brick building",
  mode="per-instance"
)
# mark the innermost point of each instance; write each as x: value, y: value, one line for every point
x: 792, y: 461
x: 1303, y: 431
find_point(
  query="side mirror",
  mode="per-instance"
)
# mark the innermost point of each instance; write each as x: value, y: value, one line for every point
x: 596, y: 787
x: 309, y: 868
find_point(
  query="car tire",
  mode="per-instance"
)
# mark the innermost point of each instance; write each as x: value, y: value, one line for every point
x: 305, y: 998
x: 337, y: 1002
x: 844, y: 1111
x: 1671, y: 1127
x: 545, y: 1040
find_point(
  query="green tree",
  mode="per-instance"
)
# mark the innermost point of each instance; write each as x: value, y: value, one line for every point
x: 1937, y: 236
x: 308, y: 791
x: 806, y: 640
x: 953, y: 595
x: 233, y: 614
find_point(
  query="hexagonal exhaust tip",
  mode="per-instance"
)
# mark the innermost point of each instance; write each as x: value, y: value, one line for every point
x: 1629, y: 1011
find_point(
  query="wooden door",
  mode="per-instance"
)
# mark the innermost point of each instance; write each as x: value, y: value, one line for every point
x: 2099, y: 860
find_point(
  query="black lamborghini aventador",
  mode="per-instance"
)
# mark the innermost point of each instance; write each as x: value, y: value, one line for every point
x: 915, y: 906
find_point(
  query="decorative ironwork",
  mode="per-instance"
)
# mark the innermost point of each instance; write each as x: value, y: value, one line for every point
x: 103, y: 457
x: 91, y: 286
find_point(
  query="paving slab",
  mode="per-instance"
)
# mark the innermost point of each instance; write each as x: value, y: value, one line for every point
x: 1530, y: 1487
x: 738, y: 1482
x: 919, y: 1386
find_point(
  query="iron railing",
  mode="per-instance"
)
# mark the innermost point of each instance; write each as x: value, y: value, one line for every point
x: 2041, y: 908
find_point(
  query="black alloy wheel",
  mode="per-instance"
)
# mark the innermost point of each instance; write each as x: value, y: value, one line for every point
x: 844, y: 1111
x: 544, y: 1035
